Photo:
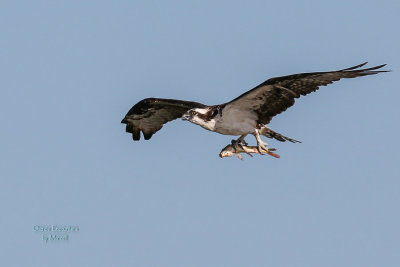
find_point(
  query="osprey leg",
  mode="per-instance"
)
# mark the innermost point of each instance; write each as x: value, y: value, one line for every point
x: 239, y: 142
x: 261, y: 145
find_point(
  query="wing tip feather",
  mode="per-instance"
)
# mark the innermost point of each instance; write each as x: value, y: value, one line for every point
x: 357, y: 66
x: 136, y: 136
x: 147, y: 136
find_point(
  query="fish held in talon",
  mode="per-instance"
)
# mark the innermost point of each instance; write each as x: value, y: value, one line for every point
x: 230, y: 151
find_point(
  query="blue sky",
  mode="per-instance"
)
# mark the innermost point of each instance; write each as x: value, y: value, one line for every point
x: 72, y: 69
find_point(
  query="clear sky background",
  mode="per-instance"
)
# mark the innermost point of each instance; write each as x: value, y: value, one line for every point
x: 70, y: 70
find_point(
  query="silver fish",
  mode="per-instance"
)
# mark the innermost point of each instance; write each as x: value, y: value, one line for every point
x: 230, y: 151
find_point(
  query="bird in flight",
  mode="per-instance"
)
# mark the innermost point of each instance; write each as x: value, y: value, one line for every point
x: 249, y: 113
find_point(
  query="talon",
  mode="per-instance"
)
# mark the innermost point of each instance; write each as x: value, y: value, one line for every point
x: 262, y: 147
x: 239, y: 143
x: 236, y: 144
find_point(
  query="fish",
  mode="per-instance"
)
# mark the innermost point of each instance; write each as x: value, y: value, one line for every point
x: 230, y: 151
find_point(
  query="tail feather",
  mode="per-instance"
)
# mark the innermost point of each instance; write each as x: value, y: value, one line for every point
x: 272, y: 134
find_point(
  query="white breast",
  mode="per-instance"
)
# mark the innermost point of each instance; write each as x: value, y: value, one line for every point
x: 236, y: 122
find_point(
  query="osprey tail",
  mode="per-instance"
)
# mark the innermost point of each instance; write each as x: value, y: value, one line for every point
x: 271, y: 134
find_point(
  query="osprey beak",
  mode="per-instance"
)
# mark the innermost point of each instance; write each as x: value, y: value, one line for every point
x: 185, y: 117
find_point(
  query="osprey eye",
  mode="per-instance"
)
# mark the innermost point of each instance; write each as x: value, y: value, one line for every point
x: 192, y: 112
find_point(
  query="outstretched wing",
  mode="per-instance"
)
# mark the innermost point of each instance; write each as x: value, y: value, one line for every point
x: 275, y: 95
x: 150, y: 114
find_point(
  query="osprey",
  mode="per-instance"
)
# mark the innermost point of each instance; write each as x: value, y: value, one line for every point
x: 247, y: 114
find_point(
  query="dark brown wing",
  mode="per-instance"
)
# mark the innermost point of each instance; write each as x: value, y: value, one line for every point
x: 277, y: 94
x: 150, y: 114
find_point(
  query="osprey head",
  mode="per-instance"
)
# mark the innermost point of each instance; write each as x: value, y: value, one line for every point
x: 200, y: 116
x: 194, y: 114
